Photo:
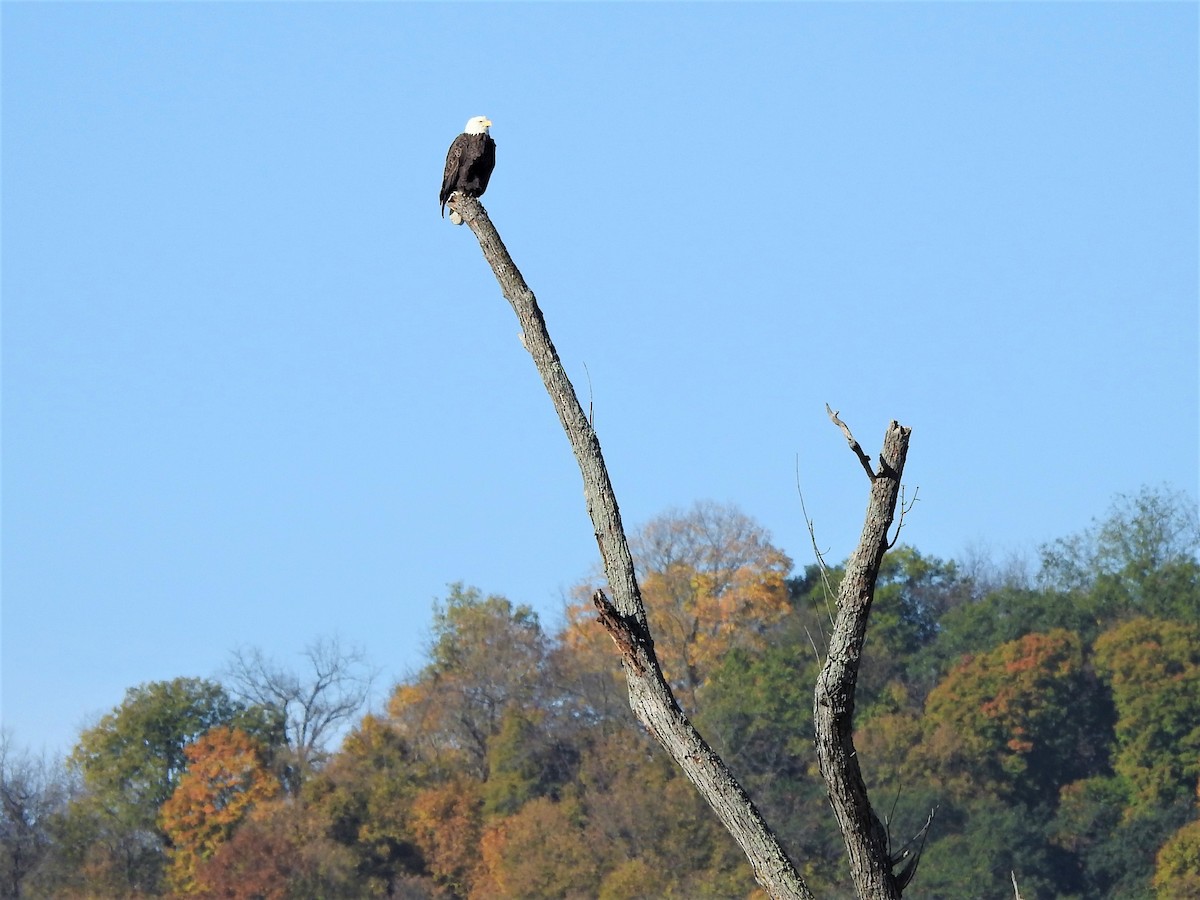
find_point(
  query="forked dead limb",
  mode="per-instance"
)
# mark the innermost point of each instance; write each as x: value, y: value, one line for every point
x: 624, y: 617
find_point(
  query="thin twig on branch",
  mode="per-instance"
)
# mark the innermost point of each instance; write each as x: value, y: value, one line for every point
x: 812, y: 536
x: 905, y: 509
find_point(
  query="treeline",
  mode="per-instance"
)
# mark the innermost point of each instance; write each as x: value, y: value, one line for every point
x: 1049, y: 712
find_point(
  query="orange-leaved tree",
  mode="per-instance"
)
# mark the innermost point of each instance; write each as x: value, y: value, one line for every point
x: 446, y: 822
x: 711, y: 580
x: 538, y: 853
x: 226, y: 776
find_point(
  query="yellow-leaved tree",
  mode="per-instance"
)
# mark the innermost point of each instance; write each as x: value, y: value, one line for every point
x: 225, y: 778
x: 1177, y: 865
x: 711, y: 581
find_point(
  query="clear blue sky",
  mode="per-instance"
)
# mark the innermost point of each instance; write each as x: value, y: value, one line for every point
x: 257, y: 391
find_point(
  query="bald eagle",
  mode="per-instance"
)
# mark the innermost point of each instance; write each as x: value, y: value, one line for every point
x: 469, y: 163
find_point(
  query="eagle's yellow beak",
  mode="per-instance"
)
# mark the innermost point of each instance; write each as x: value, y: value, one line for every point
x: 487, y: 123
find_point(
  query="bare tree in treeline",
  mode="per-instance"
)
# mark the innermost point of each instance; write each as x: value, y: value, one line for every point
x: 877, y: 870
x: 313, y: 704
x: 32, y: 790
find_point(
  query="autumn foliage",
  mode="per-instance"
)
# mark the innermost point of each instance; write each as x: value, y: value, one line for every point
x: 225, y: 779
x: 1052, y: 717
x: 1019, y: 715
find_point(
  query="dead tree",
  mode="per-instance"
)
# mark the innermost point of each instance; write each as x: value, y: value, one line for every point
x: 871, y: 863
x: 624, y: 617
x: 312, y: 708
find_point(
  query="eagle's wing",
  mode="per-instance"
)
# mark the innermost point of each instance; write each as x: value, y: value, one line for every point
x: 487, y: 162
x: 453, y: 165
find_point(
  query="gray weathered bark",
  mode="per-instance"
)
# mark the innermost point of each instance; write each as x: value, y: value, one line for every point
x: 833, y: 706
x: 624, y: 617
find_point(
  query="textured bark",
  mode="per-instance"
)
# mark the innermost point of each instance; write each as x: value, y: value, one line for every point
x: 624, y: 616
x: 833, y: 707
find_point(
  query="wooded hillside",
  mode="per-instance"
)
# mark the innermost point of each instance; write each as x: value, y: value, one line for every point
x: 1049, y: 711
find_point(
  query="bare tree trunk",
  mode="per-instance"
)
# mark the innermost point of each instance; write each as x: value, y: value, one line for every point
x: 833, y: 707
x: 650, y: 696
x: 624, y: 618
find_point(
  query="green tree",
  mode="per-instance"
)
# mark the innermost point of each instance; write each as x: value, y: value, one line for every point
x: 1153, y: 667
x: 1021, y: 720
x: 912, y: 595
x: 524, y: 761
x: 1140, y: 560
x: 487, y: 656
x: 1113, y: 856
x: 756, y: 709
x: 362, y: 800
x: 130, y: 762
x: 1006, y: 615
x: 978, y: 846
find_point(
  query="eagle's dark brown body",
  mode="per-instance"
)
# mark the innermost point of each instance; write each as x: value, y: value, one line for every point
x: 469, y: 165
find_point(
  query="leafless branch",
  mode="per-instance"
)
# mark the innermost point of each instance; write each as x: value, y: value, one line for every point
x: 336, y: 686
x: 33, y: 791
x: 854, y: 445
x: 816, y: 652
x: 812, y: 536
x: 904, y: 510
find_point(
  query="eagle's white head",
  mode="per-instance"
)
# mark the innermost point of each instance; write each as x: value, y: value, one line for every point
x: 477, y: 125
